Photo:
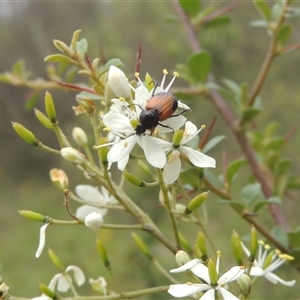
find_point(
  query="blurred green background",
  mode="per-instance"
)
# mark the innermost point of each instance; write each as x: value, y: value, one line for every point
x: 117, y: 29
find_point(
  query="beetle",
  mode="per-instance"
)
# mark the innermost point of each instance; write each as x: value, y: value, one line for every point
x: 159, y: 108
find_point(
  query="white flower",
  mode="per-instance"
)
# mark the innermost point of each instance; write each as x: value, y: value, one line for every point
x: 63, y: 280
x: 94, y: 221
x: 118, y: 82
x: 173, y: 166
x: 267, y: 262
x: 92, y: 196
x: 210, y: 288
x: 99, y: 285
x: 120, y: 125
x: 42, y: 241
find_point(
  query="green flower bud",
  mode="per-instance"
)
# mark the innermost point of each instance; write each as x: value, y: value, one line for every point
x: 54, y: 258
x: 103, y: 253
x: 25, y: 134
x: 48, y: 292
x: 177, y: 138
x: 253, y: 244
x: 80, y: 136
x: 244, y: 283
x: 142, y: 246
x: 196, y: 202
x: 184, y: 243
x: 32, y: 215
x: 182, y: 258
x: 237, y: 249
x: 50, y: 108
x: 200, y: 247
x: 43, y: 119
x: 72, y: 155
x: 132, y: 179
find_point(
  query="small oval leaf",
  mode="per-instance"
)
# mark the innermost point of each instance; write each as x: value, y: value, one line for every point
x: 200, y: 65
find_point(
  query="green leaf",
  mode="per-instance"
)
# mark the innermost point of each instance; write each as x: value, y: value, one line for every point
x: 284, y: 33
x: 260, y: 23
x: 263, y: 8
x: 82, y: 46
x: 280, y: 235
x: 294, y: 182
x: 112, y: 62
x: 31, y: 102
x: 260, y: 204
x: 220, y: 21
x: 213, y: 179
x: 213, y: 142
x: 250, y: 112
x: 251, y: 192
x: 58, y: 58
x: 191, y: 8
x: 294, y: 237
x: 88, y: 95
x: 19, y: 69
x: 233, y: 168
x: 200, y: 65
x: 276, y: 12
x: 239, y: 207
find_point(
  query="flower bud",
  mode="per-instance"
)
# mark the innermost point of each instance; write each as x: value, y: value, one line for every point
x: 25, y: 134
x: 196, y: 202
x: 32, y: 215
x: 253, y: 244
x: 47, y: 291
x: 72, y: 155
x: 182, y: 258
x: 54, y: 258
x: 142, y: 246
x: 184, y: 243
x: 118, y: 82
x: 237, y: 249
x: 43, y: 119
x: 59, y: 178
x: 80, y: 136
x: 94, y: 221
x: 132, y: 179
x: 50, y: 108
x: 103, y: 253
x: 244, y: 283
x: 200, y: 246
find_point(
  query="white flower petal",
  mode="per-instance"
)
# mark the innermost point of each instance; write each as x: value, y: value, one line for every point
x: 42, y: 240
x: 122, y: 149
x: 94, y: 221
x: 184, y: 290
x: 118, y: 123
x: 63, y: 283
x: 227, y: 295
x: 256, y: 271
x: 53, y: 282
x: 123, y: 163
x: 201, y: 271
x: 90, y: 194
x: 186, y: 266
x: 154, y: 154
x: 209, y: 295
x: 78, y: 274
x: 233, y: 274
x: 84, y: 210
x: 172, y: 168
x: 197, y: 158
x: 174, y: 123
x: 275, y: 279
x: 142, y: 96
